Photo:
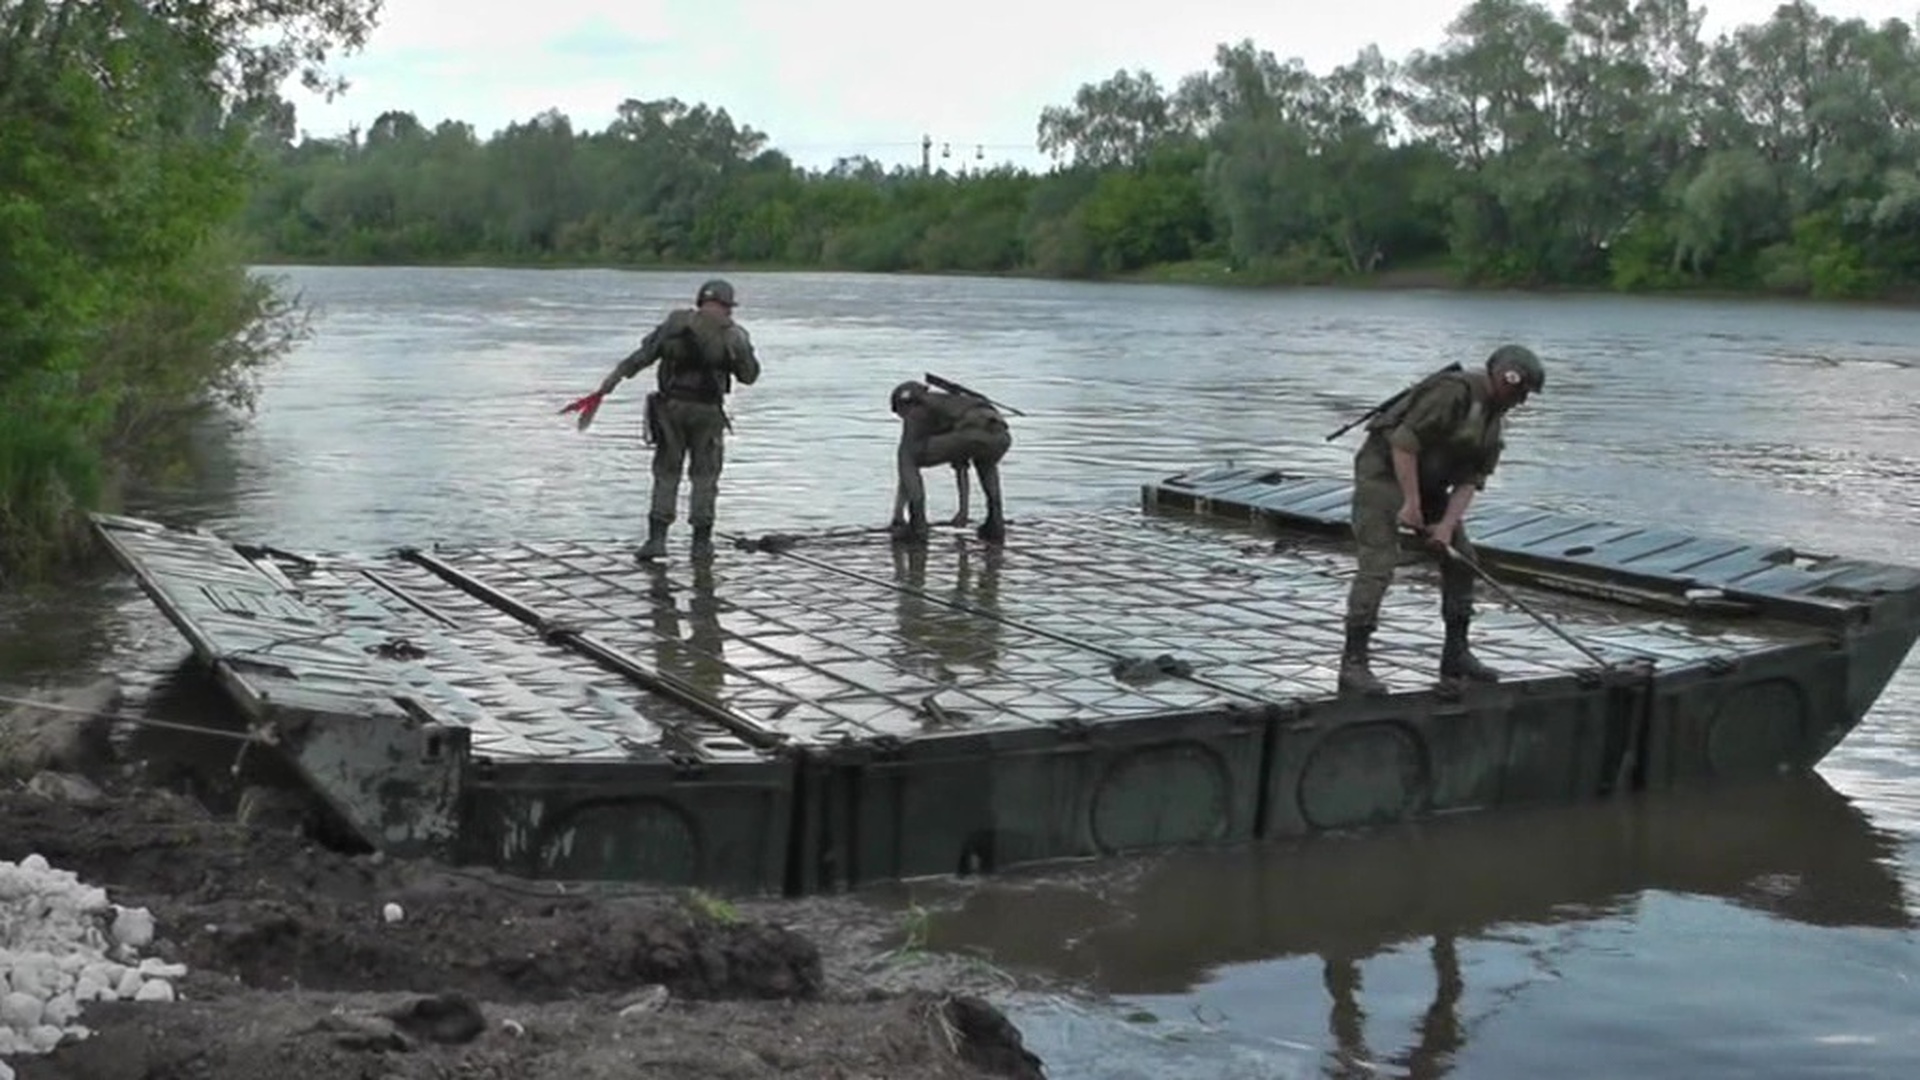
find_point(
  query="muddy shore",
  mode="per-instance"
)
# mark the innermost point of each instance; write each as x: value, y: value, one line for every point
x: 294, y: 970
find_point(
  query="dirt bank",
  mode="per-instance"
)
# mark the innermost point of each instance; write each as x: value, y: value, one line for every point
x: 295, y: 971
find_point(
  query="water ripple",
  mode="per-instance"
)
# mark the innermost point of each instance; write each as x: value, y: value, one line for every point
x: 1731, y: 938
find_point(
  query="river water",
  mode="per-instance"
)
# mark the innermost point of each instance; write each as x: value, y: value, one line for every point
x: 1730, y: 933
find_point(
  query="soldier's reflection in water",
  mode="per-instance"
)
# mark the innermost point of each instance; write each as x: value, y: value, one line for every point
x: 1791, y: 848
x: 942, y: 642
x: 688, y: 642
x: 1438, y: 1034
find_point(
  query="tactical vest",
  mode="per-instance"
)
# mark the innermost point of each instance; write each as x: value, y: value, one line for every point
x: 696, y: 357
x: 1469, y: 442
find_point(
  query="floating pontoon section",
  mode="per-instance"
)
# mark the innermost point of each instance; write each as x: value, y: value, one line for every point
x: 837, y: 709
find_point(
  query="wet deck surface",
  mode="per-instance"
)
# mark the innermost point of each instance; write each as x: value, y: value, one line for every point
x: 1601, y: 555
x: 850, y: 638
x: 519, y: 697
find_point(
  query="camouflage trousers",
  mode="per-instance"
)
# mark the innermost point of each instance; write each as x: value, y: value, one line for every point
x: 690, y: 435
x: 979, y: 438
x: 1376, y: 535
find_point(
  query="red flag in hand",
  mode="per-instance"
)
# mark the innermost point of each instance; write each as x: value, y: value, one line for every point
x: 586, y: 407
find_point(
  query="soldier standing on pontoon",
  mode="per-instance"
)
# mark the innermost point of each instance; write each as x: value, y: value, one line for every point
x: 1425, y: 456
x: 701, y: 351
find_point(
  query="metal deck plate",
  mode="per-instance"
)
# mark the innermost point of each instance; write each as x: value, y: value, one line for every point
x: 851, y: 639
x: 842, y: 709
x: 1269, y: 623
x: 820, y: 656
x: 352, y: 635
x: 1793, y: 583
x: 521, y: 698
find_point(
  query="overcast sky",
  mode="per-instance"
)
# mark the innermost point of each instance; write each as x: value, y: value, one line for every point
x: 831, y: 78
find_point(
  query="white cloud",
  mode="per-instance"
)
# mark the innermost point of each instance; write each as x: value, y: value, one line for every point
x: 502, y: 29
x: 828, y: 78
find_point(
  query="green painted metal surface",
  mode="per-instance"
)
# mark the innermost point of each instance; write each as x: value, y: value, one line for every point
x: 839, y: 710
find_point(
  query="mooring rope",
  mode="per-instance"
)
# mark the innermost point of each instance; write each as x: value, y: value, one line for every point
x: 248, y: 736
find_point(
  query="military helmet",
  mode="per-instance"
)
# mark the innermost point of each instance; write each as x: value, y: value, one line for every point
x: 906, y: 394
x: 719, y: 290
x: 1519, y: 359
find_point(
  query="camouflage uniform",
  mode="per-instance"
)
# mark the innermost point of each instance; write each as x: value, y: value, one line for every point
x: 1452, y: 423
x: 701, y: 351
x: 938, y: 428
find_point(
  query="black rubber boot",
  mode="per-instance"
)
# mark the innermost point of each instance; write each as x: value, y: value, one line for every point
x: 1457, y: 660
x: 656, y: 545
x: 703, y: 541
x: 1356, y: 674
x: 911, y: 531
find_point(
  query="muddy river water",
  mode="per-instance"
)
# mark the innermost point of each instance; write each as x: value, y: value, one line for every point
x: 1768, y: 931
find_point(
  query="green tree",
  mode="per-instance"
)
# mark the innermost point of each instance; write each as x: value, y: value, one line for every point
x: 1601, y: 143
x: 126, y: 135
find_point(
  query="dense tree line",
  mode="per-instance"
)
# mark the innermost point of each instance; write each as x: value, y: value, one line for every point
x: 126, y: 311
x: 1610, y: 144
x: 145, y: 154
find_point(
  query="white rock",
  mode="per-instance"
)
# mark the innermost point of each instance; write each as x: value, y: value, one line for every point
x: 89, y: 988
x: 6, y: 1070
x: 104, y: 972
x: 646, y: 1000
x: 29, y: 977
x: 20, y: 1011
x: 55, y: 979
x: 60, y: 1010
x: 129, y: 985
x: 392, y: 912
x: 59, y: 941
x: 132, y: 927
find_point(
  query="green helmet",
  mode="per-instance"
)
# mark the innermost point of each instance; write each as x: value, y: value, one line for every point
x: 906, y: 394
x: 1519, y: 359
x: 718, y: 290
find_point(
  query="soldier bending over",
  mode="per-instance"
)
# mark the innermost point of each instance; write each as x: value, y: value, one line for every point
x: 938, y: 428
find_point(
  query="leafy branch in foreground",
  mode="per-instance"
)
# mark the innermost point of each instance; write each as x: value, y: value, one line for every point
x: 127, y: 137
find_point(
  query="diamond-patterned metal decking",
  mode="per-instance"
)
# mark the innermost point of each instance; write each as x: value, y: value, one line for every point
x: 838, y: 708
x: 850, y: 639
x: 519, y: 697
x: 855, y: 638
x: 1269, y: 623
x: 356, y: 633
x: 819, y: 656
x: 1601, y: 557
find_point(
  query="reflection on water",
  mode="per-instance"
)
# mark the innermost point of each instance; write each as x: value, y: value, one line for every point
x: 939, y: 641
x: 1456, y: 898
x: 393, y: 429
x: 1796, y: 849
x: 689, y: 644
x: 1725, y: 934
x: 48, y: 633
